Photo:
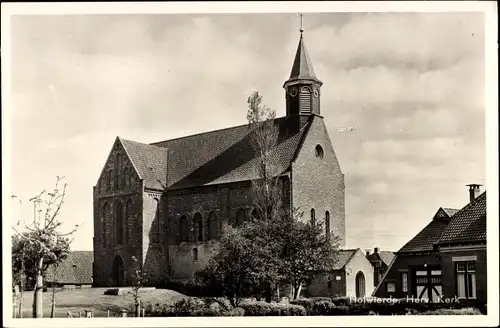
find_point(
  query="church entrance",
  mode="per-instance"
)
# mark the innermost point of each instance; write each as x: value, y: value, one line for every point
x: 118, y: 272
x: 360, y: 284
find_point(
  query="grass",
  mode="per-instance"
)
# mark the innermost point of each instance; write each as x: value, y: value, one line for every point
x: 79, y: 300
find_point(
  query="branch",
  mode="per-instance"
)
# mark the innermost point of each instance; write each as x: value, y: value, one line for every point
x: 62, y: 195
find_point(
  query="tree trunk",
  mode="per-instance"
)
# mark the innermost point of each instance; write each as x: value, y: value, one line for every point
x: 296, y: 291
x: 53, y: 309
x: 38, y: 296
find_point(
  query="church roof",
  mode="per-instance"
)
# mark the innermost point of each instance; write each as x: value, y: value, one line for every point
x: 75, y: 269
x: 302, y: 68
x: 214, y: 157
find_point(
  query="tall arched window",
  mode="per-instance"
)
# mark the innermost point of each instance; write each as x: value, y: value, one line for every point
x: 129, y: 217
x: 105, y: 214
x: 125, y: 177
x: 183, y: 229
x: 198, y: 226
x: 240, y: 217
x: 156, y: 222
x: 109, y: 180
x: 118, y: 170
x: 118, y: 214
x: 212, y: 226
x: 313, y: 216
x: 327, y: 225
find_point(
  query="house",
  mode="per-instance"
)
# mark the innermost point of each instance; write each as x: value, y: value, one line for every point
x: 380, y: 261
x: 162, y: 204
x: 74, y: 271
x: 352, y: 277
x: 447, y: 259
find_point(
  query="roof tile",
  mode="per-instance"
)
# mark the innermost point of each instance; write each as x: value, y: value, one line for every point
x: 75, y: 269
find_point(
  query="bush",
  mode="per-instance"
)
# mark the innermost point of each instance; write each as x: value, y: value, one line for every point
x: 194, y: 307
x: 325, y: 307
x: 463, y: 311
x: 272, y: 309
x: 307, y: 303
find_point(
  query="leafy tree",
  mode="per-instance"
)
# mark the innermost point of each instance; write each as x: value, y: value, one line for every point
x: 41, y: 244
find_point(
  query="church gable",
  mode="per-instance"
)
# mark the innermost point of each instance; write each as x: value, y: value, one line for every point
x: 119, y: 172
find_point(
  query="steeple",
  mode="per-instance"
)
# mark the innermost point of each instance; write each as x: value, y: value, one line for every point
x: 303, y: 87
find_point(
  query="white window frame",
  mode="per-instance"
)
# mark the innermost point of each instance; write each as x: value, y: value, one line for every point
x: 469, y: 279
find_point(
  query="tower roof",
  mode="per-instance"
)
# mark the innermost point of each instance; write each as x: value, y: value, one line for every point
x: 302, y: 68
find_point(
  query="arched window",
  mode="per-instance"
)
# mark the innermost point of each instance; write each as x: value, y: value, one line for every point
x: 305, y: 100
x: 129, y: 217
x: 327, y: 225
x: 118, y: 170
x: 118, y: 214
x: 212, y: 226
x: 183, y: 229
x: 255, y: 214
x: 240, y: 217
x: 105, y: 214
x: 313, y: 217
x: 319, y: 151
x: 198, y: 226
x: 156, y: 223
x: 125, y: 177
x: 195, y: 254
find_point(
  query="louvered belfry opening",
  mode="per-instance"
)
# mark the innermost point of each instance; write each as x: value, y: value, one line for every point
x: 305, y: 101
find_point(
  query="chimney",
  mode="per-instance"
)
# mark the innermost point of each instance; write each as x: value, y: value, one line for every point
x: 474, y: 191
x: 375, y: 250
x: 367, y: 252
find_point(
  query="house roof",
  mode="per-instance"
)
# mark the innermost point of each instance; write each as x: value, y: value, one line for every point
x: 468, y: 224
x: 384, y: 256
x: 462, y: 226
x: 214, y: 157
x: 75, y: 269
x: 425, y: 239
x: 343, y: 257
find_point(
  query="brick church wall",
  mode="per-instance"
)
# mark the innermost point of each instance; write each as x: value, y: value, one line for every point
x: 318, y: 183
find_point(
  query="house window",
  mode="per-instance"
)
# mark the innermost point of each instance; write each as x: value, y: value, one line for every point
x: 313, y: 216
x: 195, y: 254
x: 404, y: 281
x: 391, y: 287
x: 319, y: 151
x: 466, y: 279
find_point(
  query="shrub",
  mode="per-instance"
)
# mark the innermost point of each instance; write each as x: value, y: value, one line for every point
x: 463, y: 311
x: 272, y: 309
x: 307, y: 303
x: 325, y: 307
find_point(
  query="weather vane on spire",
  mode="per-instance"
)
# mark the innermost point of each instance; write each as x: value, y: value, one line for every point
x: 301, y: 29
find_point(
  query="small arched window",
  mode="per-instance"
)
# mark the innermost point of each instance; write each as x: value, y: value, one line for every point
x: 118, y: 170
x: 109, y: 180
x: 319, y: 151
x: 156, y: 222
x: 313, y: 216
x: 183, y: 229
x: 327, y: 225
x: 198, y: 226
x: 212, y: 226
x: 125, y: 177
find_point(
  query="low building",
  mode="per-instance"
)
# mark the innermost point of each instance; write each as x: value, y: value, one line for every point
x: 444, y: 261
x: 75, y: 271
x: 352, y: 276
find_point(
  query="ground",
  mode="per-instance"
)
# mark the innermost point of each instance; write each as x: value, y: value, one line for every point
x: 79, y: 300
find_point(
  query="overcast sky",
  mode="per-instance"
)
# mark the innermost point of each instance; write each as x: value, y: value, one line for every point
x: 411, y: 85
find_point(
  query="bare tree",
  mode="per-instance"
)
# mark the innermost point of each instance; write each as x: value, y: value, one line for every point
x: 264, y: 135
x: 42, y: 244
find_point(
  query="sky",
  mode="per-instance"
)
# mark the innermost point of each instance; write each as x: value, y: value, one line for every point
x: 410, y: 85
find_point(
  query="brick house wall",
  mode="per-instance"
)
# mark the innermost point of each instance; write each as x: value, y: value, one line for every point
x: 450, y: 256
x: 318, y: 182
x: 404, y: 263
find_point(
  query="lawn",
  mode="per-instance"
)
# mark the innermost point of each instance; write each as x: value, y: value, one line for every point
x: 79, y: 300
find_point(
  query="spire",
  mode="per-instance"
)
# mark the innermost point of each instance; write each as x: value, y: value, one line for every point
x: 302, y: 68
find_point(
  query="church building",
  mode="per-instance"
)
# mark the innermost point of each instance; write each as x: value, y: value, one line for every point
x: 161, y: 205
